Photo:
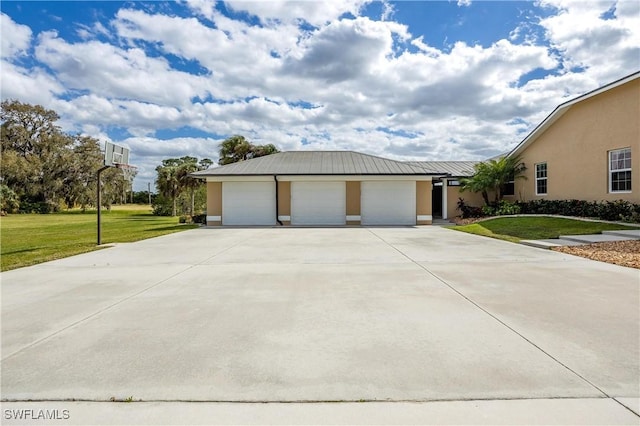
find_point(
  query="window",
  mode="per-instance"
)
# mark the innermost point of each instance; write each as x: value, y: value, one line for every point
x: 509, y: 188
x: 541, y: 179
x: 620, y: 170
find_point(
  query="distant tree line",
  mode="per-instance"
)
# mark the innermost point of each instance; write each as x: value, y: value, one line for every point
x: 45, y: 169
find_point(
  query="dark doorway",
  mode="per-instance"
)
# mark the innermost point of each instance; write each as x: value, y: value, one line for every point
x: 436, y: 200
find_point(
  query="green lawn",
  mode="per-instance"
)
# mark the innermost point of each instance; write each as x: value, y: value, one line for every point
x: 535, y: 228
x: 27, y: 239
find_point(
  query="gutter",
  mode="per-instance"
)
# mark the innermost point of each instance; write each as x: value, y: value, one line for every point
x: 275, y: 179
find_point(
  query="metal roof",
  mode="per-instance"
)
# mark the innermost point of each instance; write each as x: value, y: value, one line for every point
x: 317, y: 163
x: 451, y: 168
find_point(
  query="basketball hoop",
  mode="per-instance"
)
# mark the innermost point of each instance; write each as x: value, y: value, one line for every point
x: 128, y: 171
x: 114, y: 156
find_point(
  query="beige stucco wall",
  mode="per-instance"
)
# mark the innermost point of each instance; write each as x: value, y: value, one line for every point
x: 353, y: 201
x: 453, y: 194
x: 423, y: 201
x: 214, y: 202
x: 576, y: 147
x: 284, y: 200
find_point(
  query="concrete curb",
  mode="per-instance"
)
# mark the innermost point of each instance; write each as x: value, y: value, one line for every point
x: 585, y: 411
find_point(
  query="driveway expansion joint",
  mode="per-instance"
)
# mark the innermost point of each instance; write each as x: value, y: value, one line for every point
x: 495, y: 317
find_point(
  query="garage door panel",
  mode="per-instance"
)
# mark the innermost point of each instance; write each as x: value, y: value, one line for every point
x: 318, y: 203
x: 248, y: 203
x: 388, y: 203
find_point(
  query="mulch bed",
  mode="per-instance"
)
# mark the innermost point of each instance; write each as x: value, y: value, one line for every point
x: 623, y: 253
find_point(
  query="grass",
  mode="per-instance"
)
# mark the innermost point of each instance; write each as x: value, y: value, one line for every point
x: 28, y: 239
x: 536, y: 228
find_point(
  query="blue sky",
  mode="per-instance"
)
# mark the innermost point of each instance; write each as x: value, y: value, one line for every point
x: 410, y: 80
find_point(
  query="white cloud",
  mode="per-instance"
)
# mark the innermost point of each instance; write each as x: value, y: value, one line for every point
x: 317, y: 13
x: 240, y: 57
x: 34, y: 85
x: 110, y: 71
x: 463, y: 3
x: 608, y: 48
x: 15, y: 38
x: 204, y: 8
x: 345, y: 50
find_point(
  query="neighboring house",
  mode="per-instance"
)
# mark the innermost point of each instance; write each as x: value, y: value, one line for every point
x: 319, y: 188
x: 588, y: 148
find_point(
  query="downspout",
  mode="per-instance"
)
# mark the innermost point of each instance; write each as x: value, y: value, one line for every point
x: 277, y: 219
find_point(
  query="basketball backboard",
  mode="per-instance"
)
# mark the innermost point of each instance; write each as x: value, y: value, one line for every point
x: 115, y: 154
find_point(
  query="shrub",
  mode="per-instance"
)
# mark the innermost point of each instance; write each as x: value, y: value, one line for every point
x: 507, y: 208
x: 9, y: 201
x: 41, y: 207
x: 200, y: 218
x: 469, y: 211
x: 619, y: 210
x: 488, y: 210
x: 162, y: 206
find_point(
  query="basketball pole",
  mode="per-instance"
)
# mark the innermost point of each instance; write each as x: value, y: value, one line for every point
x: 99, y: 191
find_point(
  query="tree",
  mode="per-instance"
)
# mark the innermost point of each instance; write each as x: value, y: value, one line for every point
x: 35, y: 153
x: 237, y: 148
x: 167, y: 181
x: 9, y: 201
x: 174, y: 181
x: 187, y: 182
x: 80, y: 180
x: 493, y: 176
x: 46, y: 167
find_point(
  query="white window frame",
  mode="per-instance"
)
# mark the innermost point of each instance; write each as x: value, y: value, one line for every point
x: 618, y: 170
x: 545, y: 178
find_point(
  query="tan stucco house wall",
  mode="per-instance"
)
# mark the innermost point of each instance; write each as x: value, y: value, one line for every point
x: 575, y: 147
x: 470, y: 198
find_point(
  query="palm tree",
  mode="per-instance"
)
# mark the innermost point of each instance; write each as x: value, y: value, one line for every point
x: 234, y: 149
x: 493, y: 175
x: 168, y: 182
x: 237, y: 148
x: 189, y: 165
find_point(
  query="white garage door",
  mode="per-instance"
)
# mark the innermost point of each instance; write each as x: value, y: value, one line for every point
x: 388, y: 203
x: 248, y: 203
x: 318, y: 203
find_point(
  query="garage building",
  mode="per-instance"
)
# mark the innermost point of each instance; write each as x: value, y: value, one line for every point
x: 318, y: 188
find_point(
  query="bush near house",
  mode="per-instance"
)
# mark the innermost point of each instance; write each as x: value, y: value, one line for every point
x: 619, y: 210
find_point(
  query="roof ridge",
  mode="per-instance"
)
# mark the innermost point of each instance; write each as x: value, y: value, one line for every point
x: 560, y: 109
x: 602, y: 88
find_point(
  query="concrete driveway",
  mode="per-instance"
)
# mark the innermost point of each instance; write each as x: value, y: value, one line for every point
x: 415, y: 317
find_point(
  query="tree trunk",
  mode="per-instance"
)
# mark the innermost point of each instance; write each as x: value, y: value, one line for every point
x: 485, y: 197
x: 174, y: 206
x: 193, y: 201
